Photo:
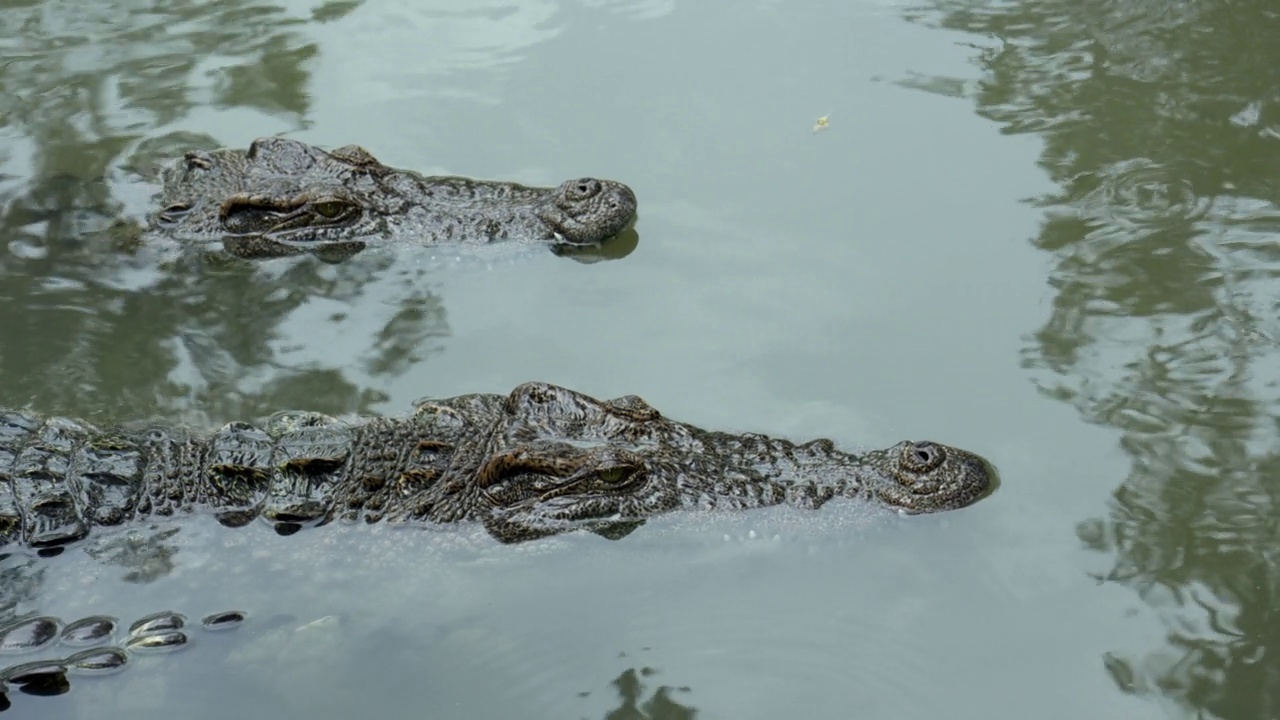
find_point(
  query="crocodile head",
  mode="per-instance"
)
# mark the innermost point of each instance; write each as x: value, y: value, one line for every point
x: 587, y: 210
x: 549, y: 488
x: 568, y: 460
x: 296, y: 195
x: 922, y: 477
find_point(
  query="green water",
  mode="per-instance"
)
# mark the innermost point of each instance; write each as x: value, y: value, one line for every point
x: 1042, y: 231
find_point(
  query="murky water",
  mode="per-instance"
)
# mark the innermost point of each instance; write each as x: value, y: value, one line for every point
x: 1039, y: 230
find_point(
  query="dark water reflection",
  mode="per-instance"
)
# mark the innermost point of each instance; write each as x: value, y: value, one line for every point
x: 97, y: 336
x: 660, y: 705
x: 1161, y: 126
x: 89, y: 344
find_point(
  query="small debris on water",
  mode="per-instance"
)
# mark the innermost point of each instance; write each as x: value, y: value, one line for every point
x: 823, y: 123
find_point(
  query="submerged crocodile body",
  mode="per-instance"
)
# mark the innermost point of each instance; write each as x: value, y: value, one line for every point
x: 283, y: 197
x: 538, y: 461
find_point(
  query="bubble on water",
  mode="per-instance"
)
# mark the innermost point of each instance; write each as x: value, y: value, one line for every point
x: 155, y: 643
x: 29, y: 634
x: 90, y: 630
x: 40, y: 671
x: 225, y: 620
x: 158, y: 623
x: 97, y: 661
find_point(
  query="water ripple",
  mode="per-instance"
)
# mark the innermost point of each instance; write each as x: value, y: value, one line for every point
x: 1139, y: 194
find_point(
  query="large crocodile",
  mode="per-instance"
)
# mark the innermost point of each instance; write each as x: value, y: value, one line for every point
x: 283, y: 197
x: 536, y: 462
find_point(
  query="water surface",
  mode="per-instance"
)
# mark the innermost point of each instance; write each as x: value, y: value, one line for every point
x: 1038, y: 230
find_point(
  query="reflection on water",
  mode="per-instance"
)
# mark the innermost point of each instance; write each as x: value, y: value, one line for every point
x: 145, y: 556
x: 20, y: 580
x: 647, y: 9
x: 101, y: 98
x: 1160, y: 123
x: 207, y: 337
x: 85, y: 80
x: 454, y: 36
x: 658, y: 705
x: 100, y: 335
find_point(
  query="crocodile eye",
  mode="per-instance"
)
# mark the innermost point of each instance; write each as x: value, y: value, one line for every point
x: 330, y: 208
x: 613, y: 475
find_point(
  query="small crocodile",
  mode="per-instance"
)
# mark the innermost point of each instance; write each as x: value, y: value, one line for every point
x: 284, y: 197
x: 538, y: 461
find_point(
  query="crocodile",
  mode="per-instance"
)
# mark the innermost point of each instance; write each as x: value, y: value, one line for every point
x: 536, y: 462
x: 284, y: 197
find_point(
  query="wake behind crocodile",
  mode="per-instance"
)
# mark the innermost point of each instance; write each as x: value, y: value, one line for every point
x: 442, y: 594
